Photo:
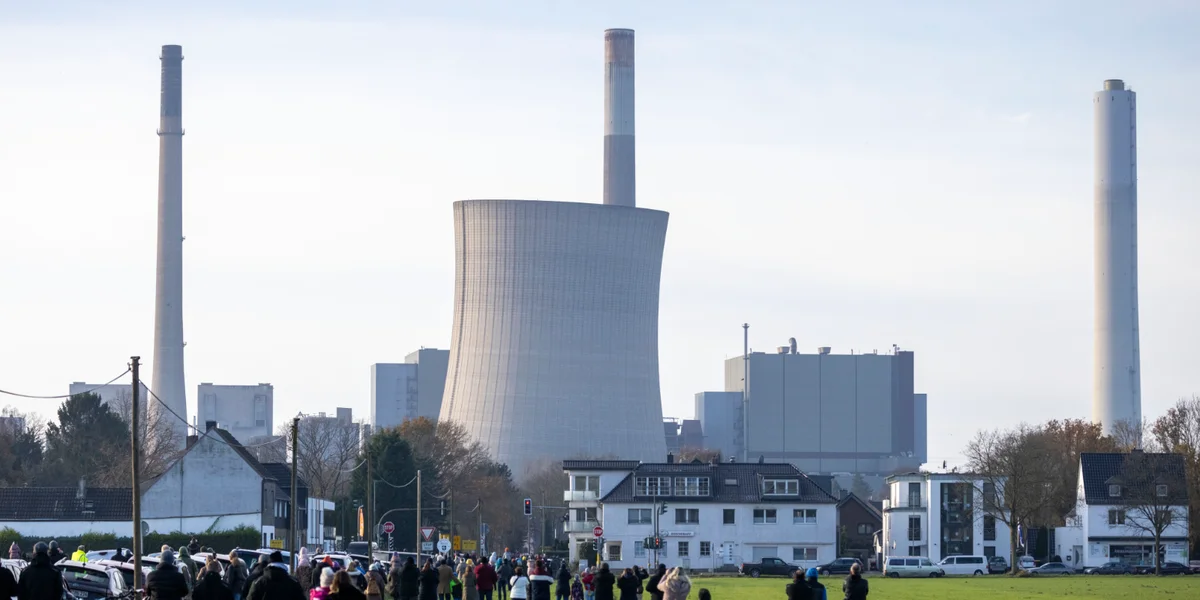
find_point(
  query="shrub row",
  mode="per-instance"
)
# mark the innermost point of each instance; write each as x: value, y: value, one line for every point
x: 221, y: 541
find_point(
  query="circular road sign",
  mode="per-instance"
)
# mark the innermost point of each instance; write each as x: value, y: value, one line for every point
x: 443, y: 545
x: 598, y: 531
x: 389, y: 527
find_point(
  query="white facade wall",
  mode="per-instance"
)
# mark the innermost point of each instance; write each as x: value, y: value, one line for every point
x: 899, y: 508
x: 394, y: 394
x: 201, y: 524
x: 211, y: 485
x: 52, y: 529
x: 556, y: 330
x: 245, y: 411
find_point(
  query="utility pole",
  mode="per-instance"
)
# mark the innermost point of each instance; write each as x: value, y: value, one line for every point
x: 294, y: 533
x: 370, y: 508
x: 479, y: 515
x: 656, y: 535
x: 543, y: 536
x: 745, y: 392
x: 451, y: 512
x: 417, y: 550
x: 137, y: 478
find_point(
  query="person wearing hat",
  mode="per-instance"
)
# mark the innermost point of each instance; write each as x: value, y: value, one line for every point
x: 166, y: 582
x: 818, y: 590
x: 276, y: 583
x: 40, y: 580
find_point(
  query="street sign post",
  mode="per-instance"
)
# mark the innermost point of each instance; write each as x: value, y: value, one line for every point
x: 443, y: 545
x: 598, y: 531
x: 426, y: 546
x: 427, y: 533
x: 389, y: 527
x: 457, y: 543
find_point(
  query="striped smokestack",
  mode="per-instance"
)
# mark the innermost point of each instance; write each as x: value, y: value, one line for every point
x: 620, y: 181
x: 167, y: 369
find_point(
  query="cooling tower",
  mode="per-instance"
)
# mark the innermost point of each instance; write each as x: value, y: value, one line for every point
x: 167, y: 369
x: 620, y: 180
x: 554, y: 349
x: 1117, y: 388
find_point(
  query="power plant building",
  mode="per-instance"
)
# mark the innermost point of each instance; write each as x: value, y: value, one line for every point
x: 245, y: 411
x: 408, y: 390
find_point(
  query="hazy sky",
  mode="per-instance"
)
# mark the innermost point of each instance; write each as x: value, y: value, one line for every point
x: 912, y: 173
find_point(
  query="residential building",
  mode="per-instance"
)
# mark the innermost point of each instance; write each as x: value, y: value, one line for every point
x: 282, y: 474
x: 1118, y: 494
x: 245, y: 411
x: 319, y: 532
x: 50, y: 512
x: 938, y: 515
x: 861, y: 409
x: 858, y: 523
x: 717, y: 514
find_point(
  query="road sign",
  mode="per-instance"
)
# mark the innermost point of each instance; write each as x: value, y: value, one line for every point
x: 427, y: 533
x: 426, y: 546
x: 598, y: 531
x: 457, y: 545
x: 443, y: 546
x: 277, y: 544
x: 389, y: 527
x: 469, y: 545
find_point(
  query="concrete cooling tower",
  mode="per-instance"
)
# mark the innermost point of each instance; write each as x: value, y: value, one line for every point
x: 554, y: 350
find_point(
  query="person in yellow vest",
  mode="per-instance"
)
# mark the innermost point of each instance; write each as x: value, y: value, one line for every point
x: 80, y: 555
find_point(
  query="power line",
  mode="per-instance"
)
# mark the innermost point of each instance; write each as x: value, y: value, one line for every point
x: 197, y: 430
x: 61, y: 396
x: 382, y: 480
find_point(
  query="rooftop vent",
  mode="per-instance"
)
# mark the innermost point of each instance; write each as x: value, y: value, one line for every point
x: 823, y: 350
x: 731, y: 482
x: 782, y: 350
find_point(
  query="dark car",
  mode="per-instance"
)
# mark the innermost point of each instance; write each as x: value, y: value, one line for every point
x: 768, y: 566
x: 997, y: 565
x: 839, y: 566
x: 1110, y: 568
x: 1167, y: 568
x: 1052, y: 568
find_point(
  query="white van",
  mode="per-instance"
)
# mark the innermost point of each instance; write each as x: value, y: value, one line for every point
x: 911, y: 566
x: 965, y: 565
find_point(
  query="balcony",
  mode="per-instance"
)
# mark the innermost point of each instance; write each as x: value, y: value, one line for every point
x: 581, y: 526
x: 581, y: 496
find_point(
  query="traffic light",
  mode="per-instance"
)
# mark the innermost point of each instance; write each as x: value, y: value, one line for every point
x: 528, y: 507
x: 658, y: 545
x: 662, y: 508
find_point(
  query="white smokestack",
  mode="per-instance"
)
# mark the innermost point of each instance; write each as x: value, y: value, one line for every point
x: 620, y: 181
x: 167, y: 378
x: 1117, y: 388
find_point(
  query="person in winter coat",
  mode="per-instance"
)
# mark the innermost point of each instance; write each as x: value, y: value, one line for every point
x: 485, y: 578
x: 430, y: 582
x: 589, y: 583
x: 628, y: 584
x: 184, y: 558
x: 855, y: 587
x: 445, y: 573
x: 193, y: 545
x: 56, y: 554
x: 321, y: 592
x: 653, y: 581
x: 468, y: 582
x: 641, y: 575
x: 275, y: 583
x: 519, y: 584
x: 576, y: 588
x: 562, y: 584
x: 798, y: 589
x: 14, y: 552
x: 236, y: 575
x: 504, y: 575
x: 257, y: 571
x: 675, y: 585
x: 165, y: 582
x: 211, y: 587
x: 604, y: 582
x: 405, y: 583
x: 8, y: 584
x: 358, y: 576
x: 343, y: 588
x: 80, y: 554
x: 818, y: 590
x: 374, y: 589
x: 40, y: 580
x: 705, y: 594
x: 539, y: 582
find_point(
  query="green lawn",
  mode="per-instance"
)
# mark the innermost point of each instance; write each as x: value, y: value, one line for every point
x: 995, y: 587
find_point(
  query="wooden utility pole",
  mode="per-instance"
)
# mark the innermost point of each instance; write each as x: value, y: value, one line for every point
x: 137, y: 478
x: 370, y: 507
x: 295, y: 532
x: 418, y: 548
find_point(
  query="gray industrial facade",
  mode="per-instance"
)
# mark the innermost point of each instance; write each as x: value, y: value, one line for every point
x: 824, y: 412
x: 408, y: 390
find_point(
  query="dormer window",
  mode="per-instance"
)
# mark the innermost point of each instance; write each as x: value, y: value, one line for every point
x: 781, y: 487
x: 1160, y: 490
x: 652, y: 486
x: 1114, y: 491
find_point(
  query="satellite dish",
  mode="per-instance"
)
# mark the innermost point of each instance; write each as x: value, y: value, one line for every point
x: 145, y: 528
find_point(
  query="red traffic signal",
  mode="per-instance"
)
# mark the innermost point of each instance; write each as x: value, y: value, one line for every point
x: 528, y: 507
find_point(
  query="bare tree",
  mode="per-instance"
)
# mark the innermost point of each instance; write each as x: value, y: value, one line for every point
x: 159, y: 438
x: 327, y: 450
x: 1178, y: 431
x: 1015, y: 481
x: 1153, y: 495
x: 21, y: 446
x: 545, y: 485
x: 1131, y: 435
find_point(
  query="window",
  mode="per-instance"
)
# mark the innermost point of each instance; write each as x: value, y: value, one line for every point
x: 585, y: 514
x: 804, y: 516
x: 639, y: 516
x: 764, y: 516
x: 1160, y: 490
x: 705, y: 548
x: 652, y: 486
x: 989, y: 529
x: 614, y: 551
x: 914, y: 529
x: 683, y: 549
x: 989, y: 551
x: 865, y: 529
x: 1114, y: 491
x: 804, y: 554
x: 1116, y: 516
x: 914, y: 550
x: 914, y: 494
x: 691, y: 486
x: 587, y: 483
x: 687, y: 516
x: 639, y: 549
x: 728, y: 516
x: 781, y: 487
x: 989, y: 493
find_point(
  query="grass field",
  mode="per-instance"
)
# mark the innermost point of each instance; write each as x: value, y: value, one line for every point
x: 996, y: 587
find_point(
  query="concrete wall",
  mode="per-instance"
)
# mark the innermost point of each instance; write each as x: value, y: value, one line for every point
x: 395, y: 393
x: 210, y: 481
x: 197, y: 524
x: 431, y: 380
x: 245, y: 411
x: 921, y: 427
x: 718, y: 413
x: 52, y: 529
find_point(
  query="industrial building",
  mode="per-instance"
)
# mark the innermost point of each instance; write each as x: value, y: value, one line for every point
x: 246, y: 411
x: 118, y: 396
x: 824, y: 412
x: 1117, y: 383
x: 408, y: 390
x: 556, y: 311
x: 682, y: 433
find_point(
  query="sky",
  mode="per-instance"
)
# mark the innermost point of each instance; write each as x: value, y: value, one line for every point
x: 910, y: 173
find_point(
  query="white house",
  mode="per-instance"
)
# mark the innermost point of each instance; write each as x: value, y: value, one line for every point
x: 716, y: 514
x: 938, y: 515
x: 1116, y: 497
x: 40, y: 512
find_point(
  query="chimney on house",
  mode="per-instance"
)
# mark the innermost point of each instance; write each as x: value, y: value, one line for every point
x: 210, y: 425
x: 670, y: 458
x: 82, y: 491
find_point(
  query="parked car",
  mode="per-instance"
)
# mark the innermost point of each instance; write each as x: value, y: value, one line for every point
x: 965, y: 565
x: 997, y: 565
x: 911, y: 566
x: 1110, y: 568
x: 768, y: 566
x: 126, y: 569
x: 1026, y: 563
x: 839, y: 566
x: 1194, y: 565
x: 1052, y: 568
x: 90, y: 582
x: 1167, y: 568
x: 201, y: 558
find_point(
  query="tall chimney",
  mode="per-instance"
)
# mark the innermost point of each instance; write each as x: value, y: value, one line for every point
x: 620, y: 181
x: 167, y: 378
x: 1117, y: 388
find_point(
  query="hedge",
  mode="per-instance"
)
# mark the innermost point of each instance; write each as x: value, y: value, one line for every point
x: 221, y: 541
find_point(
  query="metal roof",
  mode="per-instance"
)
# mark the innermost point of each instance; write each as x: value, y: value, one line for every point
x: 730, y: 483
x: 1099, y: 469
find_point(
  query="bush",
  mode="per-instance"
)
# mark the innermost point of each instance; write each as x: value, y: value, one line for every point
x: 221, y: 541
